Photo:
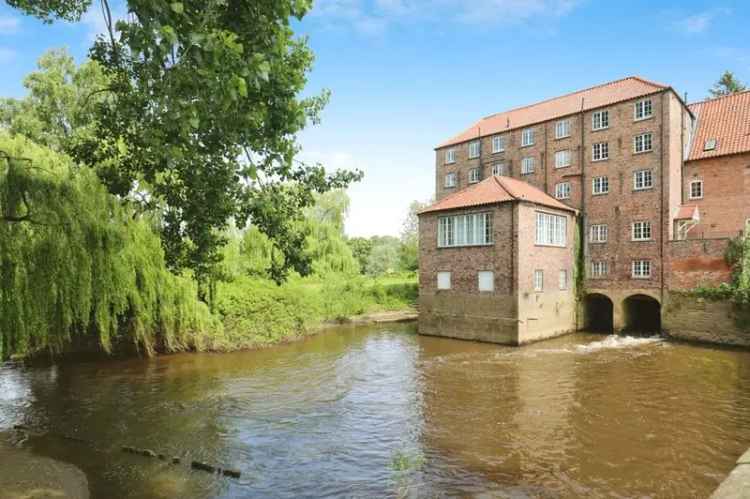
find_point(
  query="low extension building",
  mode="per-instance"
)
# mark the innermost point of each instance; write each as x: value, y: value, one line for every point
x: 658, y: 187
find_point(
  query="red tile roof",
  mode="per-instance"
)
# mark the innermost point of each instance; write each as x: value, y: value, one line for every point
x: 726, y: 119
x: 688, y: 212
x: 496, y: 189
x: 590, y: 98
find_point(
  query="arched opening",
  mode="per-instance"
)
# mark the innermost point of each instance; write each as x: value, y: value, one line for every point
x: 598, y: 313
x: 642, y: 314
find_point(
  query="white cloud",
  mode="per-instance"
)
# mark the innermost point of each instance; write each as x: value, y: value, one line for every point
x: 9, y: 25
x: 701, y: 22
x: 7, y: 55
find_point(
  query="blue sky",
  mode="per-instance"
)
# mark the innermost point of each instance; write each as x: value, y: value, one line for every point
x: 406, y: 74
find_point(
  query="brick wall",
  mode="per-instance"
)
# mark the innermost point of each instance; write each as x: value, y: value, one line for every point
x: 694, y: 263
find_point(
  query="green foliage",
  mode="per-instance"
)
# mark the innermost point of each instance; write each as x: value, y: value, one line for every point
x: 361, y: 248
x: 384, y: 256
x: 727, y: 84
x: 75, y: 262
x: 47, y: 10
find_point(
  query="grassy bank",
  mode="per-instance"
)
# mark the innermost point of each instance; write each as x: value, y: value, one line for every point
x: 256, y: 312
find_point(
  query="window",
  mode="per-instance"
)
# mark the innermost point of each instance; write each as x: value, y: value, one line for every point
x: 562, y: 129
x: 562, y: 190
x: 599, y: 269
x: 498, y: 144
x: 600, y: 151
x: 642, y: 143
x: 473, y: 229
x: 450, y: 180
x: 444, y: 280
x: 696, y: 189
x: 450, y: 155
x: 527, y: 137
x: 643, y: 179
x: 486, y: 281
x: 641, y: 231
x: 538, y: 280
x: 474, y: 149
x: 527, y: 166
x: 499, y: 169
x: 709, y: 145
x: 601, y: 185
x: 598, y: 233
x: 642, y: 109
x: 600, y: 120
x: 563, y: 279
x: 562, y: 159
x: 551, y: 230
x: 641, y: 269
x: 474, y: 175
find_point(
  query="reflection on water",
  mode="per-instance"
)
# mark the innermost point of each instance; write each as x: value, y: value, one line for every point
x: 583, y: 415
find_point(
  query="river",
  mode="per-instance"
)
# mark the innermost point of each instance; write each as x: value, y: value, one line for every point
x: 383, y: 412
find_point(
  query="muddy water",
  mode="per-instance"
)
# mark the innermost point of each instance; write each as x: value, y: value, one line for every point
x: 382, y: 412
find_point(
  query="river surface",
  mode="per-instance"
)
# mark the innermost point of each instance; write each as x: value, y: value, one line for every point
x: 383, y: 412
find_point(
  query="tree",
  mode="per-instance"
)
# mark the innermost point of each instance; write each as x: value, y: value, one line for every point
x: 726, y: 85
x: 409, y: 252
x: 200, y: 119
x: 384, y: 256
x: 361, y: 248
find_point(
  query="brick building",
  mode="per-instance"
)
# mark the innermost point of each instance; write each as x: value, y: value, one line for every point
x: 643, y: 169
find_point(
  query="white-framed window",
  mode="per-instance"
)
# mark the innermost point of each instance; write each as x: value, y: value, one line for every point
x: 600, y: 151
x: 527, y: 137
x: 562, y: 190
x: 474, y: 176
x: 696, y: 189
x: 450, y: 155
x: 562, y: 158
x: 641, y: 269
x: 450, y: 180
x: 473, y: 229
x: 643, y: 179
x: 600, y: 185
x: 486, y: 280
x: 563, y: 279
x: 641, y: 231
x: 598, y: 233
x: 444, y: 280
x: 562, y: 129
x: 642, y: 109
x: 599, y: 269
x: 499, y: 169
x: 551, y: 230
x: 527, y: 166
x: 642, y: 143
x: 600, y: 120
x: 474, y: 149
x: 538, y: 280
x: 498, y: 144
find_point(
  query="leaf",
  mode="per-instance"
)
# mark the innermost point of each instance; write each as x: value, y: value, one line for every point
x: 194, y: 122
x: 178, y: 7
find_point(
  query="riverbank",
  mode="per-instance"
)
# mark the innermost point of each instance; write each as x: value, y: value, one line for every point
x: 737, y: 484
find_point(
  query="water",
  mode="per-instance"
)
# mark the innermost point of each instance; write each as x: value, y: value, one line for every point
x: 382, y: 412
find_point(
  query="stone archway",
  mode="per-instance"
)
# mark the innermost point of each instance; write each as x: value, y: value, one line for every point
x: 598, y: 313
x: 642, y: 313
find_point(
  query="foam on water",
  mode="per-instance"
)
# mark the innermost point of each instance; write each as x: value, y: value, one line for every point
x: 614, y: 341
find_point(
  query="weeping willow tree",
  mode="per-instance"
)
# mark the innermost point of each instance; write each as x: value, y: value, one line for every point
x: 74, y: 262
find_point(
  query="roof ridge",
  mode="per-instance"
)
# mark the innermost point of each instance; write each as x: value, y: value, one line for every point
x: 511, y: 192
x: 712, y: 99
x: 572, y: 93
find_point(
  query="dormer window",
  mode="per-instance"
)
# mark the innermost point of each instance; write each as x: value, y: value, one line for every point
x: 709, y: 145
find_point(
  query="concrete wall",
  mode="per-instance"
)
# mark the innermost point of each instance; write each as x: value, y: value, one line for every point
x: 689, y: 318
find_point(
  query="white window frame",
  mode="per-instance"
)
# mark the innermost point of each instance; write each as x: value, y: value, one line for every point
x: 640, y: 143
x: 528, y: 165
x: 551, y: 230
x: 600, y: 120
x: 562, y: 129
x: 539, y: 280
x: 444, y: 280
x: 602, y: 183
x: 563, y: 280
x: 527, y: 137
x: 640, y: 269
x: 451, y: 179
x: 641, y: 230
x: 450, y: 156
x: 598, y: 233
x: 498, y: 144
x: 562, y: 158
x: 600, y: 151
x: 599, y: 269
x: 690, y: 189
x: 562, y: 190
x: 486, y: 281
x: 470, y: 229
x: 474, y: 175
x: 474, y: 149
x: 639, y: 180
x: 643, y: 110
x: 499, y: 169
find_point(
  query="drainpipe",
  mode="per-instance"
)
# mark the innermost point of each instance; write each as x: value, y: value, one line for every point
x: 545, y: 155
x: 582, y: 232
x: 661, y: 194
